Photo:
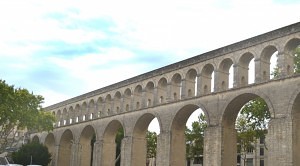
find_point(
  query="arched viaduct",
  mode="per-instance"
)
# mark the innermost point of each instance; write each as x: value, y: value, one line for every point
x: 171, y: 94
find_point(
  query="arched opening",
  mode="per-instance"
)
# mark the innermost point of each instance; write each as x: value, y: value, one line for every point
x: 145, y: 141
x: 100, y: 107
x: 290, y: 63
x: 77, y: 113
x: 84, y: 111
x: 50, y: 144
x: 269, y: 62
x: 176, y: 87
x: 244, y: 127
x: 178, y: 140
x: 36, y: 139
x: 206, y: 79
x: 127, y: 99
x: 87, y: 140
x: 117, y: 102
x: 137, y: 97
x: 194, y: 138
x: 71, y: 115
x: 58, y: 118
x: 191, y: 83
x: 65, y: 116
x: 65, y: 145
x: 108, y: 105
x: 111, y: 152
x: 225, y: 74
x: 149, y: 89
x: 92, y: 110
x: 296, y: 133
x: 246, y: 70
x: 162, y: 90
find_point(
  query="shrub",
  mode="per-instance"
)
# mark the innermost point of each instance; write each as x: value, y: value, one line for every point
x: 32, y: 153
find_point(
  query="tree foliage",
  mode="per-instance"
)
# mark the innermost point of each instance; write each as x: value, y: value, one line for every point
x: 195, y: 137
x: 32, y: 153
x: 151, y: 138
x: 251, y: 125
x: 20, y: 110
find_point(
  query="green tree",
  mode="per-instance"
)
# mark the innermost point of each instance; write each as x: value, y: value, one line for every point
x: 151, y: 144
x: 195, y: 137
x: 251, y: 125
x: 20, y: 110
x: 32, y: 153
x: 245, y: 137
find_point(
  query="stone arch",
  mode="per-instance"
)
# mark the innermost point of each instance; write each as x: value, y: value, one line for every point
x: 65, y: 148
x: 92, y: 111
x: 59, y: 118
x: 108, y: 105
x: 36, y: 139
x: 228, y: 119
x: 50, y: 144
x: 162, y: 90
x: 178, y: 125
x: 242, y: 69
x: 139, y: 142
x: 137, y: 97
x: 286, y: 60
x: 117, y: 102
x: 206, y: 79
x: 265, y: 61
x: 149, y: 90
x: 72, y: 116
x: 87, y: 140
x: 176, y: 85
x: 191, y: 82
x: 99, y: 107
x: 127, y: 100
x: 84, y: 111
x: 77, y: 113
x: 65, y: 116
x: 223, y: 74
x: 109, y: 145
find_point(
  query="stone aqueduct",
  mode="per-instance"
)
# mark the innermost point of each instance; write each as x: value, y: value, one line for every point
x: 171, y: 94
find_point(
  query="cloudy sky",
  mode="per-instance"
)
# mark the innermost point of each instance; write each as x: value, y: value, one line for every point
x: 61, y: 49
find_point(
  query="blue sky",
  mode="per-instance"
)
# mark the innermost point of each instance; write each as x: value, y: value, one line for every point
x: 61, y: 49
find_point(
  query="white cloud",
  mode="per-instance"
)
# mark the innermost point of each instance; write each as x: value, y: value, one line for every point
x: 175, y: 29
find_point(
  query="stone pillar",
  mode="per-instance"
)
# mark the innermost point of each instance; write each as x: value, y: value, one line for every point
x: 163, y: 148
x: 221, y: 81
x: 97, y: 152
x: 279, y: 142
x: 285, y: 64
x: 55, y: 156
x: 169, y: 92
x: 204, y: 84
x: 75, y: 154
x: 155, y: 96
x: 183, y: 89
x: 198, y: 93
x: 126, y: 151
x: 262, y: 70
x: 212, y: 146
x: 108, y: 153
x: 240, y: 76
